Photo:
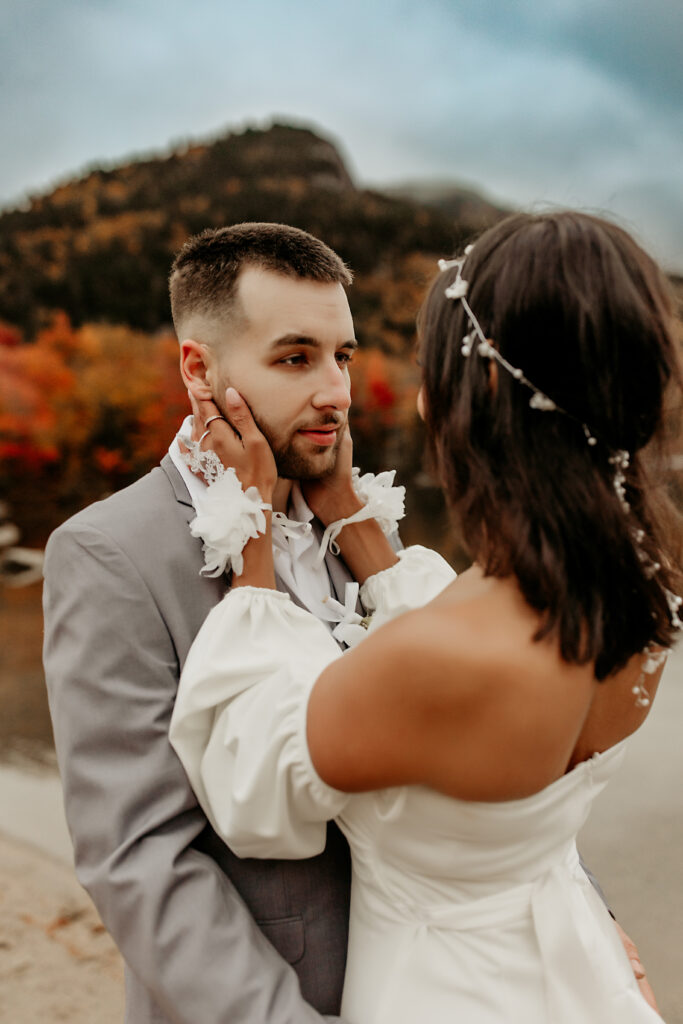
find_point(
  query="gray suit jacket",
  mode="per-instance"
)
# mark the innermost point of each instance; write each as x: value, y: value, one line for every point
x: 207, y: 938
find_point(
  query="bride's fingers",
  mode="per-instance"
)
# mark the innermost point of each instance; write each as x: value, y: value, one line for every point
x: 256, y: 450
x: 240, y: 418
x: 235, y: 438
x: 202, y: 411
x: 210, y: 425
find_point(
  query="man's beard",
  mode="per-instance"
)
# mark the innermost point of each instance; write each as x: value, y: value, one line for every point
x: 292, y: 464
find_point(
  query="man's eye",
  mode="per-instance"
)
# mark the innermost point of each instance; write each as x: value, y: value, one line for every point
x: 344, y: 357
x: 294, y: 360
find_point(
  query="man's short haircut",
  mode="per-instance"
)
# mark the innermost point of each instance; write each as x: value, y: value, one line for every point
x: 205, y: 271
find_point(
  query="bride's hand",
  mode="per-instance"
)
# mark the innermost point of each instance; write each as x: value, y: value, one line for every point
x: 638, y: 969
x: 236, y: 440
x: 333, y: 497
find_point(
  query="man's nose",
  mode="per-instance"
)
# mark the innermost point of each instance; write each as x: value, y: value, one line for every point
x: 333, y: 389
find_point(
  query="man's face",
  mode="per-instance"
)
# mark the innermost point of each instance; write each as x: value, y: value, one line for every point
x: 289, y: 361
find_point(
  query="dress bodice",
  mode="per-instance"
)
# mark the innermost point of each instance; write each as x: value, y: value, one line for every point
x: 462, y: 850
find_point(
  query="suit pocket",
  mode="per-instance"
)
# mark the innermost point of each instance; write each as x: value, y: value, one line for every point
x: 287, y: 935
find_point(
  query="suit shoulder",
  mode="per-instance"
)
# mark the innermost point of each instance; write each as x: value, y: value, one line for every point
x: 145, y: 493
x: 141, y: 510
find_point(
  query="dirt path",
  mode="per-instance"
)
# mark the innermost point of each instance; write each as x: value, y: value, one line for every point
x: 57, y: 963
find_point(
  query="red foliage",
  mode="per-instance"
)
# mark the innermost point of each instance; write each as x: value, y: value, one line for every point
x: 109, y: 461
x: 85, y: 411
x: 9, y: 336
x: 382, y: 394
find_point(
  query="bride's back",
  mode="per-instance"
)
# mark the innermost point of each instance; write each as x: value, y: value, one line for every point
x: 492, y: 620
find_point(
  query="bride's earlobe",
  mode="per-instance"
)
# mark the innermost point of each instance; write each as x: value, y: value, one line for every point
x: 493, y: 378
x: 421, y: 403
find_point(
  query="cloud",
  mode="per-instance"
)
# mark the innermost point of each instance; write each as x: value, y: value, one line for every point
x: 568, y: 100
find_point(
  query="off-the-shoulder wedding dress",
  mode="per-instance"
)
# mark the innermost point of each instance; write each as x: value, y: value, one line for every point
x: 466, y: 913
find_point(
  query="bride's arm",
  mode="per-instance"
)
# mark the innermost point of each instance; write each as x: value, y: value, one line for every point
x: 239, y: 723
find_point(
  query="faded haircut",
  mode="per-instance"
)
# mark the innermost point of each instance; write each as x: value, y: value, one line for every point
x: 204, y: 275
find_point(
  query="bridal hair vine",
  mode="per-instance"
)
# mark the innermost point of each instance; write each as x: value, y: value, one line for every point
x: 476, y: 341
x: 539, y: 400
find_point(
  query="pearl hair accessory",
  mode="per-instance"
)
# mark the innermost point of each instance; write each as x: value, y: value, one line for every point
x: 458, y: 290
x: 620, y: 459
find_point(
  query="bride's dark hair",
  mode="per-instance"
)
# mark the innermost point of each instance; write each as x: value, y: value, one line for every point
x: 586, y: 314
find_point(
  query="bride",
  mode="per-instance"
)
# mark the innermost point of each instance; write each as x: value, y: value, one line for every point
x: 461, y: 742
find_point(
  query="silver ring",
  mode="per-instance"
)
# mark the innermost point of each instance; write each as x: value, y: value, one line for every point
x: 205, y: 434
x: 212, y: 418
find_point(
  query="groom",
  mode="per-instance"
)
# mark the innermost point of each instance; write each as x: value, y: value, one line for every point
x: 207, y: 938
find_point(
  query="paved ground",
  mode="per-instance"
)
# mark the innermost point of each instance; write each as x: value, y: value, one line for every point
x: 634, y: 842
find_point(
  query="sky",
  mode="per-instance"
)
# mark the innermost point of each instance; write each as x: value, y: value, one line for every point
x: 532, y: 102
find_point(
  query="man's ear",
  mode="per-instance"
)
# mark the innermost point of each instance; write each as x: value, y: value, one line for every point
x: 195, y: 364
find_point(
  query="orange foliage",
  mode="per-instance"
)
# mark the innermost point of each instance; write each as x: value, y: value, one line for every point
x: 84, y: 411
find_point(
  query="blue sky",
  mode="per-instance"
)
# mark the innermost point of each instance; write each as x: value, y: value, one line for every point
x: 575, y: 102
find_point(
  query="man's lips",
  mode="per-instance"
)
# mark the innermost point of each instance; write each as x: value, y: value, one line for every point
x: 323, y: 436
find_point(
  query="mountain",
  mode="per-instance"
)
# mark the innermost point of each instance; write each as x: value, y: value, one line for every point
x: 455, y: 202
x: 100, y: 246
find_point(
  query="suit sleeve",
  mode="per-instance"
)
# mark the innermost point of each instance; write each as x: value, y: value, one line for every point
x: 112, y: 672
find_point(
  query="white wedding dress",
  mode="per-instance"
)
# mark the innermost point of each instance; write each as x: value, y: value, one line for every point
x: 466, y: 913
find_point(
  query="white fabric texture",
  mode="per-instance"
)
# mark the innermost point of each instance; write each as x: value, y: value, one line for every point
x: 233, y: 694
x: 460, y: 911
x: 420, y: 575
x: 194, y: 484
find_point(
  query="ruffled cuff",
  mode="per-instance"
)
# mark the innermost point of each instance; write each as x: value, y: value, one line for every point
x: 381, y: 501
x: 417, y: 578
x: 228, y: 517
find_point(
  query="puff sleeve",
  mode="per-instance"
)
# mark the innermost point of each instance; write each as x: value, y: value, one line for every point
x: 239, y: 724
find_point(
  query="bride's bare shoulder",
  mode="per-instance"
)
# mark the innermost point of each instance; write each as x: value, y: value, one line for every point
x: 456, y: 695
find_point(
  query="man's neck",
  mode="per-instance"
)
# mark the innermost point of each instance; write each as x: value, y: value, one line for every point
x: 281, y: 493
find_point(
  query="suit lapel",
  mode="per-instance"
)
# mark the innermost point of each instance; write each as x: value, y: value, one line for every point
x: 182, y: 495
